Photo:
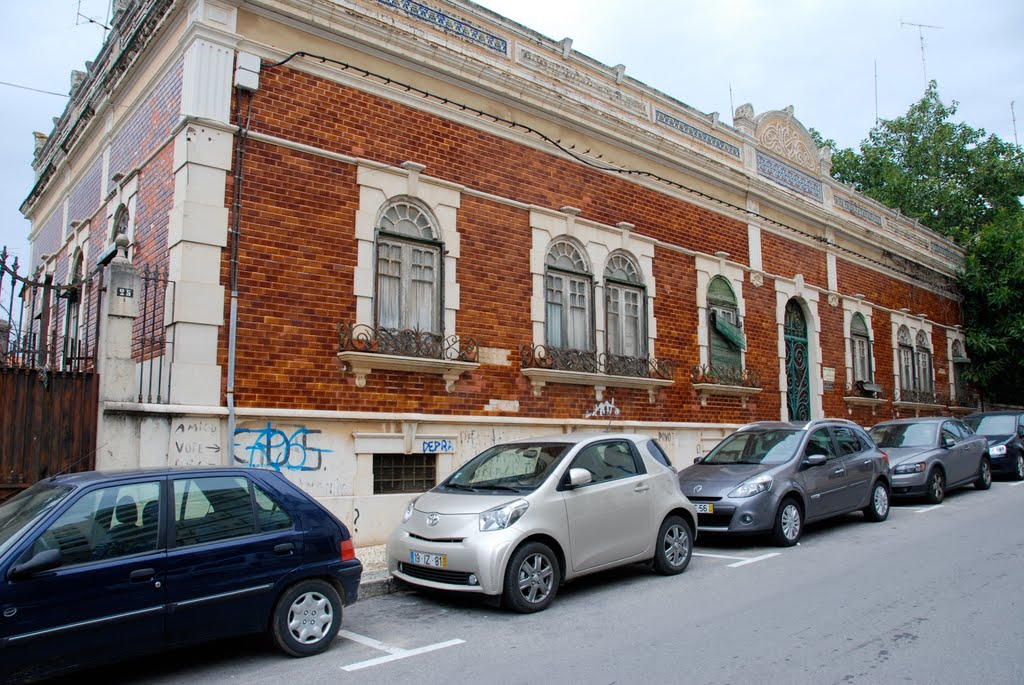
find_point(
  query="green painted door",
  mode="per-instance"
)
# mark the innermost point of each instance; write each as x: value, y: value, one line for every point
x: 797, y: 379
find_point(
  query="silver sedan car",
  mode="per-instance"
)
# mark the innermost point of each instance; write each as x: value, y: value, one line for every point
x: 931, y: 455
x: 523, y: 517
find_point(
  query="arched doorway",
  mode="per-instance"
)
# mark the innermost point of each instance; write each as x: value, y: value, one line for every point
x: 797, y: 378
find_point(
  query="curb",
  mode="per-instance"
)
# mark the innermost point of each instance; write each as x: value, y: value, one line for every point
x: 377, y: 584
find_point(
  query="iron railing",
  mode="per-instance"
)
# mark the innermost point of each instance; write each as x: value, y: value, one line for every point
x: 586, y: 361
x: 913, y: 396
x: 405, y: 343
x: 149, y: 342
x: 725, y: 375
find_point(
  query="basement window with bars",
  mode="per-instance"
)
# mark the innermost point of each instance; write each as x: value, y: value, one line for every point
x: 399, y: 473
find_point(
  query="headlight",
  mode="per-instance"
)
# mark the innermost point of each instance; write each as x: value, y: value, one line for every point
x: 754, y: 486
x: 409, y: 508
x: 997, y: 450
x: 910, y: 468
x: 504, y: 516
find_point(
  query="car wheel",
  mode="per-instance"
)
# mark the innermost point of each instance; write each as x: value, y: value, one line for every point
x: 675, y: 546
x: 936, y: 487
x: 306, y: 618
x: 878, y: 506
x: 1018, y: 470
x: 531, y: 578
x: 789, y: 523
x: 984, y: 481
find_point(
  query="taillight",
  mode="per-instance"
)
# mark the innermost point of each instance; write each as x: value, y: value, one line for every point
x: 348, y: 550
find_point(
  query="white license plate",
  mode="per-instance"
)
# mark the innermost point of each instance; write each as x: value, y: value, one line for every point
x: 705, y: 508
x: 426, y: 559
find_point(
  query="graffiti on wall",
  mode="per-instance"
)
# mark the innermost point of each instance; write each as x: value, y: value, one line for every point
x: 604, y: 409
x: 285, y: 448
x: 194, y: 440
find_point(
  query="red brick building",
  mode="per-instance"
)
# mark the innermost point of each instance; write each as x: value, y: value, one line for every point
x: 396, y: 232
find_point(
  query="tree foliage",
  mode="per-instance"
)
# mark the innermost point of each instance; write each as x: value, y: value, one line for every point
x: 967, y: 185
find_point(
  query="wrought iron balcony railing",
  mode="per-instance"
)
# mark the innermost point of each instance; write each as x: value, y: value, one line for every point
x: 405, y: 343
x: 585, y: 361
x: 725, y: 375
x: 920, y: 396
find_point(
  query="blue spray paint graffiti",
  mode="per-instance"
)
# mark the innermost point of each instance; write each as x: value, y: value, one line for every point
x: 273, y: 448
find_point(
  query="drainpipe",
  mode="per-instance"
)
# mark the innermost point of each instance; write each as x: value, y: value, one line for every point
x: 246, y: 82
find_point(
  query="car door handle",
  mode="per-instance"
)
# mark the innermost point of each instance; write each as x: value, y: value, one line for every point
x: 839, y: 472
x: 642, y: 488
x: 142, y: 575
x: 284, y: 548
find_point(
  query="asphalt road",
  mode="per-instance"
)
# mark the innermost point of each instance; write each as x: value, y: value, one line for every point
x: 932, y: 595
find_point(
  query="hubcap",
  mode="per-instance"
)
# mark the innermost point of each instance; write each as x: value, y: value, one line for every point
x: 881, y: 501
x: 677, y: 545
x: 791, y: 522
x: 535, y: 578
x: 986, y: 473
x: 937, y: 485
x: 1020, y: 467
x: 310, y: 617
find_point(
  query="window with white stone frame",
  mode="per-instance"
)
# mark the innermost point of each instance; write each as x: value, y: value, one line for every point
x: 568, y: 290
x: 860, y: 350
x: 409, y: 270
x: 726, y: 341
x: 905, y: 352
x: 625, y: 307
x: 924, y: 380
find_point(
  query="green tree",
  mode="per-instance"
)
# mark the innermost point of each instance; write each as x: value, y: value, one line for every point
x: 963, y: 183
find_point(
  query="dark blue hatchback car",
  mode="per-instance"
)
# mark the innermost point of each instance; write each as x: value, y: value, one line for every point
x: 96, y: 567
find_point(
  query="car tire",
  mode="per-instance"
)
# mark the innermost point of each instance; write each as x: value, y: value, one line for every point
x: 877, y: 509
x: 789, y: 523
x: 306, y: 618
x: 531, y: 578
x: 984, y: 481
x: 1018, y: 468
x: 674, y: 547
x: 935, y: 490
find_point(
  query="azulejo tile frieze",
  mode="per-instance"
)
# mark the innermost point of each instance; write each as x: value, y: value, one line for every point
x: 695, y: 133
x: 858, y: 210
x: 451, y: 24
x: 580, y: 80
x: 951, y: 255
x: 783, y: 174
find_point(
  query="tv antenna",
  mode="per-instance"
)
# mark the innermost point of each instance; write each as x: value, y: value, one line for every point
x: 1013, y: 115
x: 84, y: 19
x: 920, y: 35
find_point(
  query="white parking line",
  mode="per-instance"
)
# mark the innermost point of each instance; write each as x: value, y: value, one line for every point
x: 716, y: 556
x: 1015, y: 484
x: 927, y: 509
x: 394, y: 653
x: 754, y: 560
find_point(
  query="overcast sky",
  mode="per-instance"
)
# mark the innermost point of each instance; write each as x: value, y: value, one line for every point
x: 821, y: 56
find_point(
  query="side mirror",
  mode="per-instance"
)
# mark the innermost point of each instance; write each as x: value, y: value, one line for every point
x: 44, y: 561
x: 697, y: 460
x: 578, y: 477
x: 815, y: 460
x: 948, y: 442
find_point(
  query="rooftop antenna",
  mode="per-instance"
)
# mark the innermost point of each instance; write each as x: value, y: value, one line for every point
x: 876, y: 92
x: 1013, y: 115
x: 732, y: 109
x: 83, y: 19
x: 920, y: 35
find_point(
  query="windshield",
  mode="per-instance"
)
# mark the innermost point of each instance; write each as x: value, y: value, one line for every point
x: 756, y: 447
x: 25, y: 508
x: 993, y: 425
x: 516, y: 467
x: 905, y: 435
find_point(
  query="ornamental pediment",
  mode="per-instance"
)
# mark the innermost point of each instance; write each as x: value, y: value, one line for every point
x: 779, y: 133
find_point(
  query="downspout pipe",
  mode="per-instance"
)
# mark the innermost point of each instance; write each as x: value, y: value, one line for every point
x: 236, y: 211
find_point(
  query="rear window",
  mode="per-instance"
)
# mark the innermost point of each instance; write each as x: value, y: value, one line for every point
x: 659, y: 454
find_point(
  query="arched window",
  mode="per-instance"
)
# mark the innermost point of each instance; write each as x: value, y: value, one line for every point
x: 568, y: 288
x: 409, y: 261
x: 625, y: 306
x: 959, y: 361
x: 73, y: 313
x: 906, y: 358
x: 726, y: 341
x: 860, y: 348
x: 925, y: 382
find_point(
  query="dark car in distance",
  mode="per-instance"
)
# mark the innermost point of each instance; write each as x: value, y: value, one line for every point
x: 1005, y: 433
x: 103, y: 566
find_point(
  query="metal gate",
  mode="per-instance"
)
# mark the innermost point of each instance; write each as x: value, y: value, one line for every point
x: 797, y: 380
x: 48, y: 382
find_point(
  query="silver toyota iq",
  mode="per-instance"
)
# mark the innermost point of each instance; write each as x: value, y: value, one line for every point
x: 774, y: 476
x: 523, y: 517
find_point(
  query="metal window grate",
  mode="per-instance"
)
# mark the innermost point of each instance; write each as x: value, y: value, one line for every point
x: 396, y: 473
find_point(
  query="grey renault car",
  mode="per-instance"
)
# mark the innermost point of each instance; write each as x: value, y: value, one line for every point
x: 774, y: 476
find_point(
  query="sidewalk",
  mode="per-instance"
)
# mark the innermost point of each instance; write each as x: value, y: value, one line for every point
x: 375, y: 581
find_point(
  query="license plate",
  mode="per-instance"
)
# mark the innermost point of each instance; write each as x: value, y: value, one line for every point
x: 705, y: 508
x: 426, y: 559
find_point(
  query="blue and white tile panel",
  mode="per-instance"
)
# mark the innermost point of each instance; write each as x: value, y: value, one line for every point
x: 451, y: 24
x: 858, y: 210
x: 785, y: 175
x: 695, y: 133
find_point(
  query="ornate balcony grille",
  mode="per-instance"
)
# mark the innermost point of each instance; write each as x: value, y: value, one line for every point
x: 920, y: 397
x: 405, y: 343
x: 725, y: 375
x: 583, y: 361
